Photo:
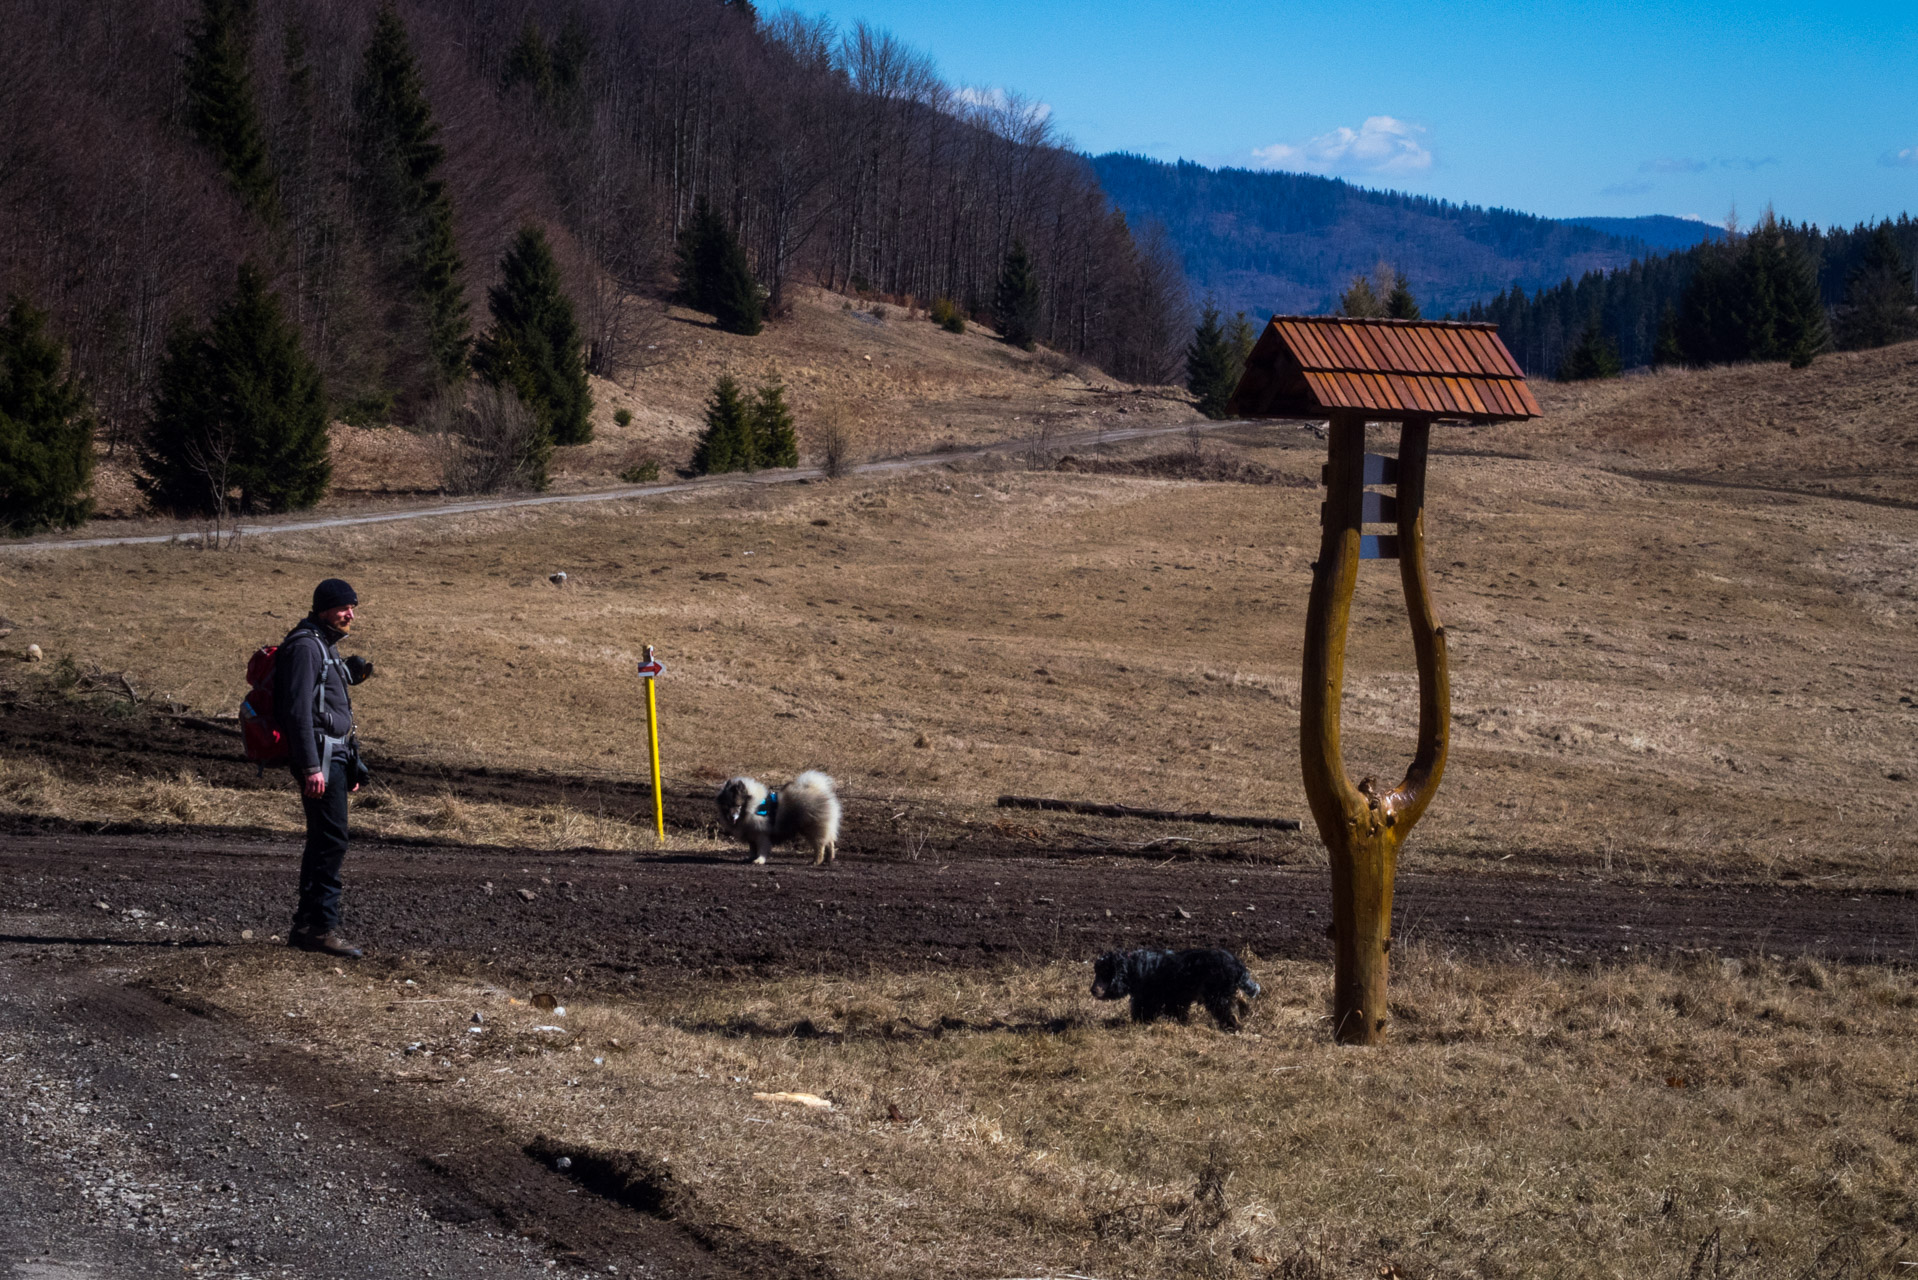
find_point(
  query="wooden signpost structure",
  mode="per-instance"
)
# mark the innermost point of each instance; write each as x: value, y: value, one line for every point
x: 1349, y: 372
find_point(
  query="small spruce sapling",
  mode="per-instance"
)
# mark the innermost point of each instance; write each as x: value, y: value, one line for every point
x: 727, y: 442
x: 775, y: 442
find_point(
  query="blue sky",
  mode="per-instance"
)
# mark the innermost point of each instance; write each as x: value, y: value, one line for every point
x: 1561, y: 109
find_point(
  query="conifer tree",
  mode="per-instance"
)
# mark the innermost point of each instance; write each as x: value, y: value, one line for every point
x: 220, y: 105
x: 1240, y: 336
x: 529, y: 63
x: 1594, y: 356
x: 1710, y: 327
x: 1879, y: 306
x: 713, y: 274
x: 572, y: 50
x: 1784, y: 315
x: 1016, y: 307
x: 1208, y: 363
x: 1755, y: 300
x: 46, y: 434
x: 534, y: 345
x: 693, y: 259
x: 239, y: 408
x: 1665, y: 348
x: 1360, y: 302
x: 404, y: 205
x: 775, y: 442
x: 1400, y: 304
x: 738, y: 306
x: 727, y: 442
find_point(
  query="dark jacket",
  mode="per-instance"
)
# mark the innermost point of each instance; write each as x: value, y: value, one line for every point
x: 306, y: 655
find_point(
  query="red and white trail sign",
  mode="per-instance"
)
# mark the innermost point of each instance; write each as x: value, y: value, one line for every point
x: 652, y: 668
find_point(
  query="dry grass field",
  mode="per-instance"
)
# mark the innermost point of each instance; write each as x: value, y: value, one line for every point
x: 1656, y: 679
x: 1708, y: 1118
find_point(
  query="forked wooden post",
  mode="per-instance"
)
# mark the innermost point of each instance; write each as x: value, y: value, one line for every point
x: 1363, y: 826
x: 1349, y: 371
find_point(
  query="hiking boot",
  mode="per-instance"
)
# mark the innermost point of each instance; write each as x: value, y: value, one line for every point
x: 331, y: 944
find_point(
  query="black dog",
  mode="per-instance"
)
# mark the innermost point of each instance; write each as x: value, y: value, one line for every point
x: 1161, y: 982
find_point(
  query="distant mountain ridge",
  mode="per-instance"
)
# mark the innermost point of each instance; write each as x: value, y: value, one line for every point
x: 1265, y: 242
x: 1659, y: 230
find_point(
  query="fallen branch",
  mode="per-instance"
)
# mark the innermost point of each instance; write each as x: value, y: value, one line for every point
x: 1151, y: 815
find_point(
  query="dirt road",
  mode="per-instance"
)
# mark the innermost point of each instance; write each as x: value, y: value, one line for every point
x: 386, y: 515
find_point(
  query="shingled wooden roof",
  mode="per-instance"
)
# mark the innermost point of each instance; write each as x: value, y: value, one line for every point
x: 1389, y: 370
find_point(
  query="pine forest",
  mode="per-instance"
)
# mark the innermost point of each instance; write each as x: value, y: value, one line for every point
x: 376, y: 163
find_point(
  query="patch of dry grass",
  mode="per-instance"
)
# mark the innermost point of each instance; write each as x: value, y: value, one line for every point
x: 1526, y: 1122
x: 1649, y: 679
x: 32, y: 790
x: 1846, y: 424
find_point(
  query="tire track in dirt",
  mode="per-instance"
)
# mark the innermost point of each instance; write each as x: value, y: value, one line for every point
x: 614, y: 918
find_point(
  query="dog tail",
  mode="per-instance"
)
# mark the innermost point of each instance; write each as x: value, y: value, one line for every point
x: 1250, y: 986
x: 813, y: 792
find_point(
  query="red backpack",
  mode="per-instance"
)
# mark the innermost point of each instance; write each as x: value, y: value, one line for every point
x: 259, y: 727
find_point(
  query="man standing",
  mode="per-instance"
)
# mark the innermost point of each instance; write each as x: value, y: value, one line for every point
x: 316, y: 718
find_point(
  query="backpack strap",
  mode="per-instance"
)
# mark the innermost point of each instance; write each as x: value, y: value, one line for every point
x: 327, y: 660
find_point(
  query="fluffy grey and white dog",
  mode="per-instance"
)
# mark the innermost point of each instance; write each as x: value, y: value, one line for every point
x: 807, y: 810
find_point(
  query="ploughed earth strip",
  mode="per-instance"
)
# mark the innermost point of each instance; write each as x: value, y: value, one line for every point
x: 601, y: 918
x: 914, y: 887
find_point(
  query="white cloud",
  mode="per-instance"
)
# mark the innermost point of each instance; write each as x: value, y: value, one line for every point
x: 998, y: 102
x: 1906, y: 159
x: 1382, y: 145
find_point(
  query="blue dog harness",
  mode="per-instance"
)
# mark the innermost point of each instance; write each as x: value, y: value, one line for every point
x: 768, y: 807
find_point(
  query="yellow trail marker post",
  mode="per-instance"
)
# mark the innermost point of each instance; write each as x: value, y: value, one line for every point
x: 650, y: 670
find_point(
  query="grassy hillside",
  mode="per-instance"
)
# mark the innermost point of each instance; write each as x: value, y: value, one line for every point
x: 888, y: 377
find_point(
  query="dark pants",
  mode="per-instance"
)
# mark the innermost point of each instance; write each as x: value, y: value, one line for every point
x: 319, y: 909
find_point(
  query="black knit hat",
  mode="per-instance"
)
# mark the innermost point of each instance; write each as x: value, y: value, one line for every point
x: 334, y: 593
